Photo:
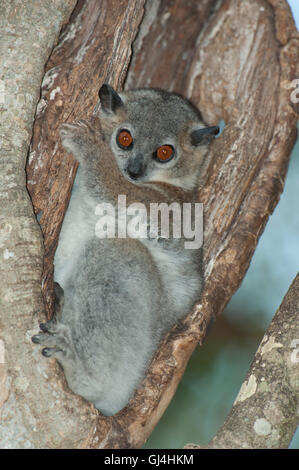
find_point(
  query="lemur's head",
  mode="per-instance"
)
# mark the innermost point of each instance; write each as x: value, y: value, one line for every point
x: 154, y: 135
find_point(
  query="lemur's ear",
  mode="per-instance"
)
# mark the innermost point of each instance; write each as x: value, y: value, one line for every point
x: 110, y: 100
x: 203, y: 135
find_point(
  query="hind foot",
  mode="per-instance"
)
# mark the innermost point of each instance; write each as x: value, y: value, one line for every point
x: 57, y: 341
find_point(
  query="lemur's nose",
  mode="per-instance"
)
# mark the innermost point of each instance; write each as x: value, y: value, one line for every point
x: 135, y: 167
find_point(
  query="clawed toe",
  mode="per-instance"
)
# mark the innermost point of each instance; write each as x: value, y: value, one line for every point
x: 35, y: 339
x: 46, y: 327
x: 48, y: 339
x: 48, y: 352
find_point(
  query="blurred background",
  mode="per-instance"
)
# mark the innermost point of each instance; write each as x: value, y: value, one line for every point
x: 217, y: 369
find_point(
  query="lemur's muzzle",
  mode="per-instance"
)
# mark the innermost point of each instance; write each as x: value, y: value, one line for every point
x: 135, y: 168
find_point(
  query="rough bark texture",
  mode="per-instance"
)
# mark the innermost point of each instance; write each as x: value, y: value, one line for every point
x: 235, y: 68
x: 265, y: 412
x: 164, y: 48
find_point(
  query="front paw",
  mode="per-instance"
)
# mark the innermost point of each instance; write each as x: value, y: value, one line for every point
x: 74, y: 137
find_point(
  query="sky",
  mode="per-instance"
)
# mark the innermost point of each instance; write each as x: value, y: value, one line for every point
x: 294, y: 4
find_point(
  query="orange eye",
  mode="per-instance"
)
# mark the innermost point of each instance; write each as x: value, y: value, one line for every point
x: 164, y: 153
x: 124, y: 139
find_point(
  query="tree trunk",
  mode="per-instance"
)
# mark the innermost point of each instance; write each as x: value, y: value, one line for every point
x: 265, y: 412
x: 235, y: 60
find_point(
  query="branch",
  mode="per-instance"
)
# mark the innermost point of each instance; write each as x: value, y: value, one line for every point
x: 265, y: 412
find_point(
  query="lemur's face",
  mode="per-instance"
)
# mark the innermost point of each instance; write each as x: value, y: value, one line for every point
x: 155, y: 136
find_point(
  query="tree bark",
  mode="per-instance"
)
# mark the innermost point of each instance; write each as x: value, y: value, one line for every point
x: 237, y: 58
x: 265, y: 412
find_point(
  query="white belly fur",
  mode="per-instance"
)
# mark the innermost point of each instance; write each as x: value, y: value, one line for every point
x: 78, y: 227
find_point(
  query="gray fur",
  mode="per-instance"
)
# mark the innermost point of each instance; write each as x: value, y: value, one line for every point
x: 118, y: 297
